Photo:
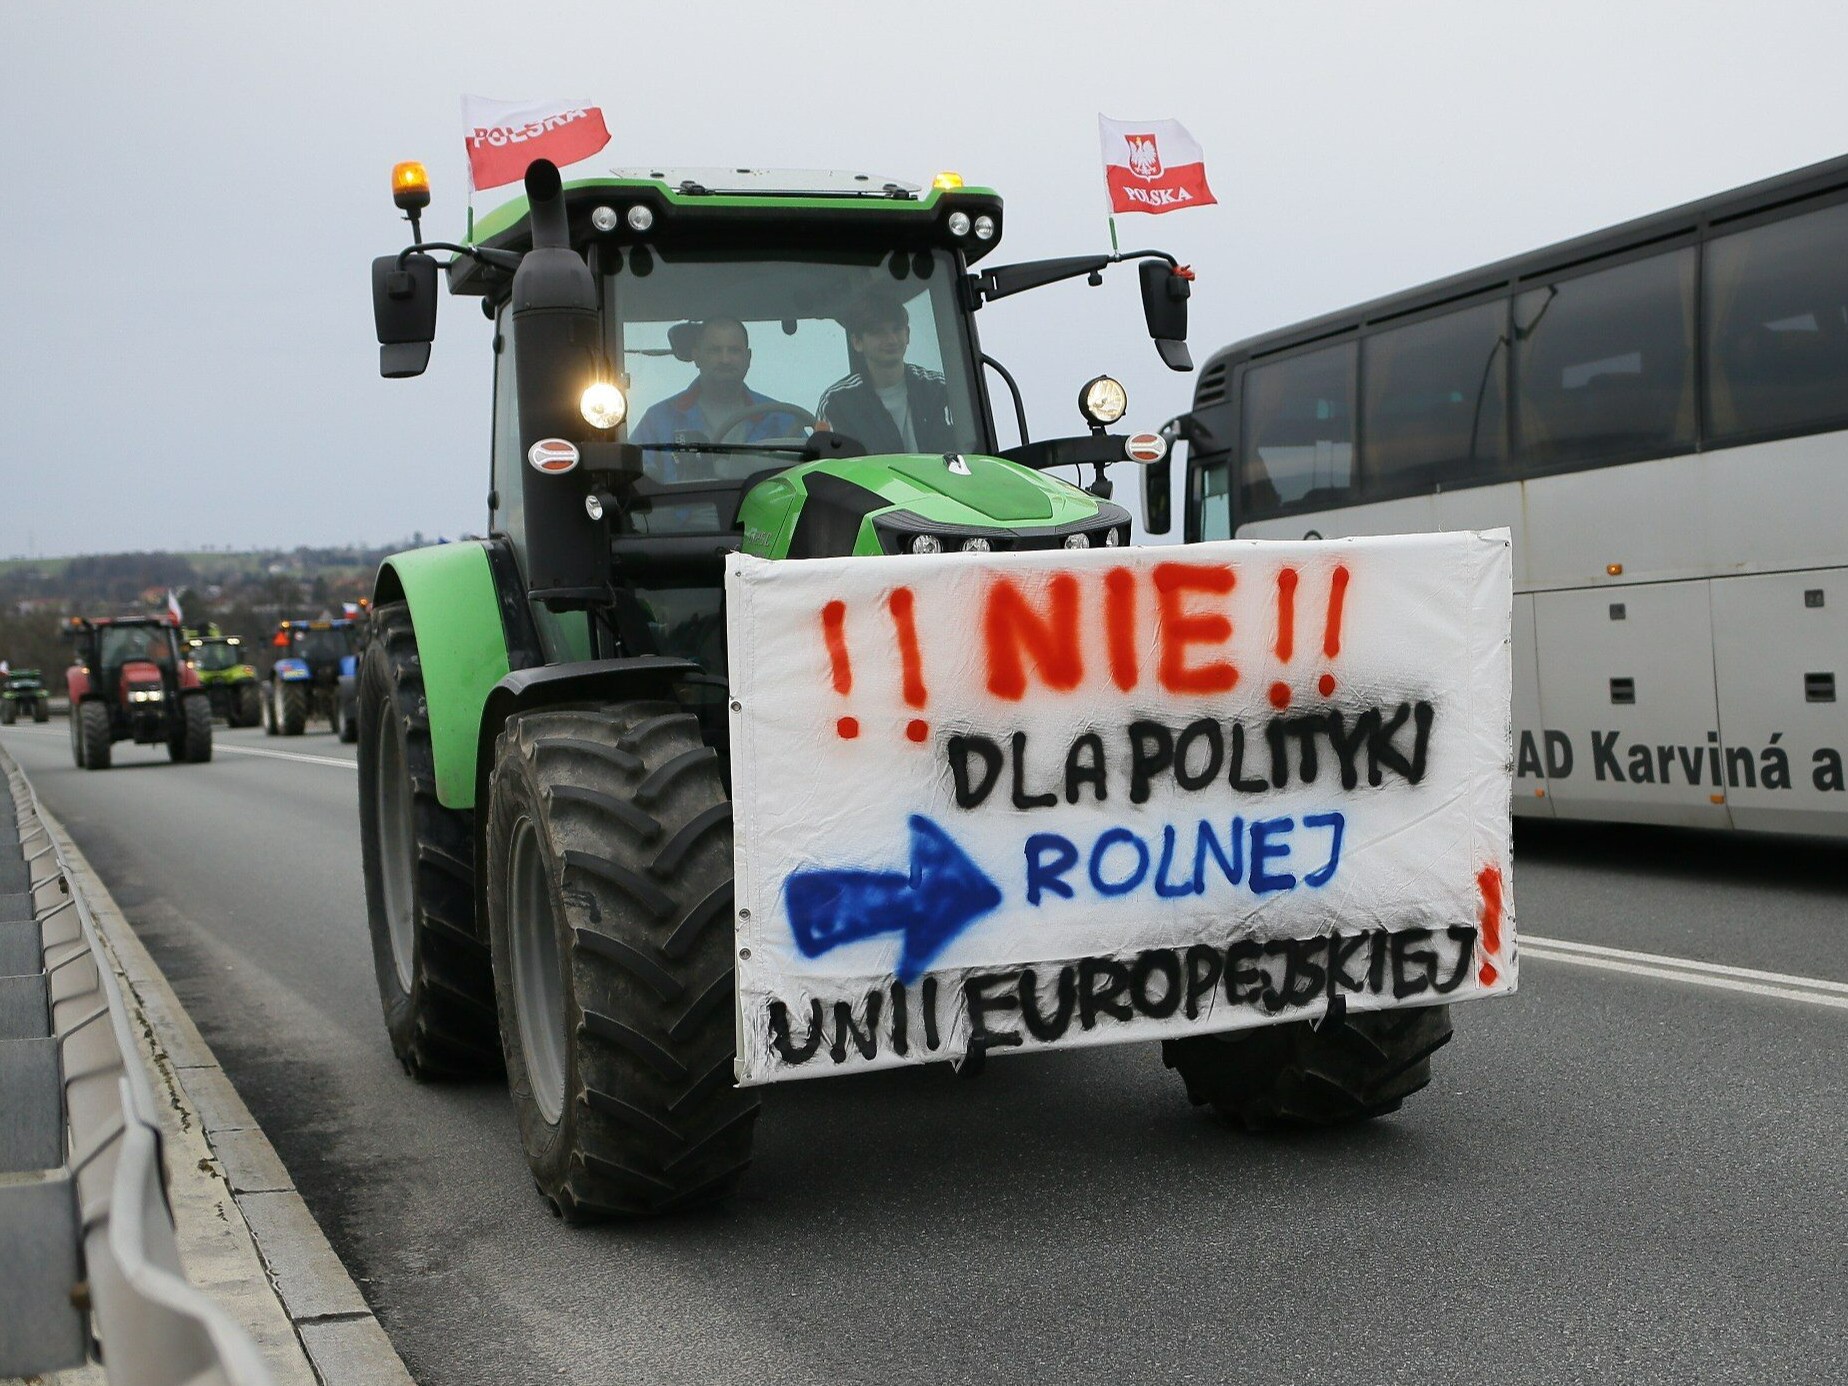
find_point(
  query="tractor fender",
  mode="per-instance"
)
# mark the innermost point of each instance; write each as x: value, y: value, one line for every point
x: 78, y: 683
x: 462, y: 648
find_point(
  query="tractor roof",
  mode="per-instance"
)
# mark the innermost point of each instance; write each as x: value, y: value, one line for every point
x: 733, y: 207
x: 80, y: 622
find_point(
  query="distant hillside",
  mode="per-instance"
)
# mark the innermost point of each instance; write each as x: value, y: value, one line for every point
x: 244, y: 593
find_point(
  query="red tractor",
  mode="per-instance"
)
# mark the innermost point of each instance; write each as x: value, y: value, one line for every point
x: 131, y: 682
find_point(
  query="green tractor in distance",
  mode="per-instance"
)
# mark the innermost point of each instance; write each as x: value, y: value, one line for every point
x: 228, y: 679
x: 543, y: 724
x: 23, y: 691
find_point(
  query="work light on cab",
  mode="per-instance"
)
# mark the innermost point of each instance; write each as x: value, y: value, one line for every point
x: 603, y: 405
x: 1103, y: 401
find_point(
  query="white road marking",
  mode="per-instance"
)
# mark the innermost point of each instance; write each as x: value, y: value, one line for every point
x: 219, y: 748
x: 1749, y: 974
x: 1678, y: 970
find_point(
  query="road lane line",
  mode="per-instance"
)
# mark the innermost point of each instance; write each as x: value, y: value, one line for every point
x: 1749, y: 974
x: 1670, y: 974
x: 219, y: 748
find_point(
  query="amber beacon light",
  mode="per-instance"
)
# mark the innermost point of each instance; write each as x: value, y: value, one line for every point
x: 410, y: 185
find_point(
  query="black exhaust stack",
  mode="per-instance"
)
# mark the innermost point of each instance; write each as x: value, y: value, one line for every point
x: 556, y: 345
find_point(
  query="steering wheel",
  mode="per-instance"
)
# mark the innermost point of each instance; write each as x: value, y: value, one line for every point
x: 758, y: 411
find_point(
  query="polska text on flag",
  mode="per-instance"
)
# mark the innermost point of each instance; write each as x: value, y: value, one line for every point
x: 503, y: 137
x: 1152, y: 166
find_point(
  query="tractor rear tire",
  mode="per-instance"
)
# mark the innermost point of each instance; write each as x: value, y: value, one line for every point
x: 609, y: 865
x: 269, y: 710
x: 1303, y: 1074
x: 419, y: 859
x: 346, y: 721
x: 93, y: 733
x: 292, y: 709
x: 9, y: 713
x: 41, y: 710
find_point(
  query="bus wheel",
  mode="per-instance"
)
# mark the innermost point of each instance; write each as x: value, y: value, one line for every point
x: 1304, y: 1074
x: 609, y: 911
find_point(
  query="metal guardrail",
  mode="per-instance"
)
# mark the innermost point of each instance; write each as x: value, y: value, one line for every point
x: 90, y: 1266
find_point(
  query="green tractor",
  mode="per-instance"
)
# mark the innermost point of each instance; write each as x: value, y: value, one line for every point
x: 229, y: 680
x: 685, y: 365
x: 23, y: 692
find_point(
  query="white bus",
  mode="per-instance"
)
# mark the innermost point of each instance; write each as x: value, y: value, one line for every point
x: 1659, y: 413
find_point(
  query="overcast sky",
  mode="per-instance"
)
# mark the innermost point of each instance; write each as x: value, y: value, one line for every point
x: 194, y: 193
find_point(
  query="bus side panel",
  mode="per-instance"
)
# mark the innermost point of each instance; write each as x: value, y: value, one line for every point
x: 1538, y: 751
x: 1628, y: 677
x: 1780, y: 655
x: 462, y: 647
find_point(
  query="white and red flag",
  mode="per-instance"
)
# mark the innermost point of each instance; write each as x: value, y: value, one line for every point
x: 1152, y: 166
x: 173, y: 608
x: 505, y: 136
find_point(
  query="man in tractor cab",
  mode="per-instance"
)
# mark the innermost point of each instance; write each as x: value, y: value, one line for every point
x: 721, y: 352
x: 888, y: 405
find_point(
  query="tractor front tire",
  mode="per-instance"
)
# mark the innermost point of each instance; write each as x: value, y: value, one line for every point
x: 9, y: 712
x: 194, y: 742
x: 609, y: 912
x: 346, y: 721
x: 269, y: 710
x: 1308, y: 1074
x: 41, y: 710
x: 292, y: 709
x: 93, y: 734
x: 432, y: 967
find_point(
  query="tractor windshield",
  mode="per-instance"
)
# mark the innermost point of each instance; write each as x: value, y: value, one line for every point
x: 211, y: 657
x: 750, y: 354
x: 120, y: 644
x: 321, y: 646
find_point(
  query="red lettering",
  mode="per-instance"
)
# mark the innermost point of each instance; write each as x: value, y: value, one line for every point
x: 1012, y: 628
x: 1120, y: 625
x: 1180, y: 628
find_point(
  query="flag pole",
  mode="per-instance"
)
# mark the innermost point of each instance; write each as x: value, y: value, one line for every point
x: 1113, y: 239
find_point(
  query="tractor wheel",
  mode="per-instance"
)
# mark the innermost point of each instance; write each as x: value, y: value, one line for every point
x: 41, y: 710
x: 246, y: 705
x: 1302, y: 1074
x: 432, y: 967
x: 192, y: 741
x: 93, y: 733
x: 269, y: 710
x: 609, y: 867
x: 346, y: 724
x: 292, y: 709
x: 9, y: 712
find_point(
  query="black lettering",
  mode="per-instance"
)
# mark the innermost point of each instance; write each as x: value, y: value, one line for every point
x: 959, y: 748
x: 1739, y: 759
x: 1464, y: 936
x: 1022, y: 799
x: 1339, y: 951
x: 1206, y: 729
x: 1236, y: 776
x: 901, y: 1021
x: 1279, y: 753
x: 1347, y: 744
x: 1203, y: 968
x: 928, y: 1004
x: 1690, y: 758
x: 1604, y: 757
x: 1826, y: 769
x: 1048, y: 1030
x: 1376, y: 963
x: 1423, y: 715
x: 980, y: 1003
x: 1244, y: 983
x: 1527, y: 762
x: 1151, y: 751
x: 1107, y: 999
x: 844, y: 1029
x: 1304, y: 729
x: 1079, y: 772
x: 1774, y: 766
x: 1303, y: 977
x: 1382, y: 753
x: 1665, y: 755
x: 1642, y: 768
x: 787, y: 1050
x: 1168, y: 964
x: 1404, y: 982
x: 1558, y: 755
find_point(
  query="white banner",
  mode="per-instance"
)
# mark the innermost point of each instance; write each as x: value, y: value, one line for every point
x: 1075, y: 797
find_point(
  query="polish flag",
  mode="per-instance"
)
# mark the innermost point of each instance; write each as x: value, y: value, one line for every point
x: 173, y: 608
x: 505, y: 136
x: 1152, y: 166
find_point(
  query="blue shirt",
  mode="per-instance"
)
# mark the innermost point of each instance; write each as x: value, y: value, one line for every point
x: 675, y: 418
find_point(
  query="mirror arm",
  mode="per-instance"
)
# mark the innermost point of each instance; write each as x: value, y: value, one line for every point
x: 494, y: 259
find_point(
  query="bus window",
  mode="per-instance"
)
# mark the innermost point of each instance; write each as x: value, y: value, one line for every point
x: 1604, y: 364
x: 1298, y: 438
x: 1215, y: 498
x: 1436, y: 400
x: 1777, y: 325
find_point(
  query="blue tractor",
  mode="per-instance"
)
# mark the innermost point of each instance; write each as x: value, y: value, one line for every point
x: 313, y: 678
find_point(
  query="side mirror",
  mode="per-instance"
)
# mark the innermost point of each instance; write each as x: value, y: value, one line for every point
x: 1165, y: 291
x: 404, y: 312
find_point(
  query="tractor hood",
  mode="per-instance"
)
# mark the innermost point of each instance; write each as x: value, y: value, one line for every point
x: 139, y: 674
x: 991, y: 488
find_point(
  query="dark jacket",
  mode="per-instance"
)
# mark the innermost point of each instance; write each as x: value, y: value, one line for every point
x: 853, y: 407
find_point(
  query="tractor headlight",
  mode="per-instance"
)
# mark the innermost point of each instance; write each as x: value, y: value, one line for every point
x: 977, y: 545
x: 984, y: 228
x: 603, y: 405
x: 926, y: 543
x: 958, y: 223
x: 1112, y: 537
x: 1103, y: 401
x: 1077, y: 541
x: 145, y: 695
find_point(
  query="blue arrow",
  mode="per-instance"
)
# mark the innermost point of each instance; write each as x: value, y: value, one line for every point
x: 944, y: 894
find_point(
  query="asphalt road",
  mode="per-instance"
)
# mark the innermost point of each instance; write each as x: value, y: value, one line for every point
x: 1616, y: 1176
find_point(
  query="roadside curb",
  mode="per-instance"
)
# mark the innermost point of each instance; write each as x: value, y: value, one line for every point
x: 246, y: 1237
